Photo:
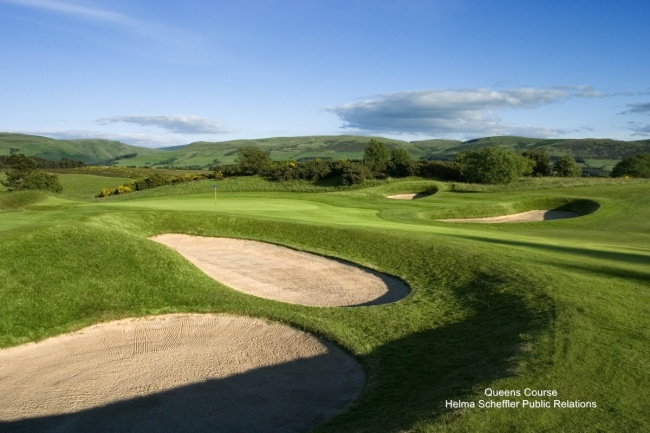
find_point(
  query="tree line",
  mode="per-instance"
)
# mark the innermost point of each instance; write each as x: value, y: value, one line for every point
x: 6, y: 161
x: 486, y: 165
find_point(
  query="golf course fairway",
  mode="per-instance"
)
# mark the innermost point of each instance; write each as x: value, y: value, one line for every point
x: 527, y: 327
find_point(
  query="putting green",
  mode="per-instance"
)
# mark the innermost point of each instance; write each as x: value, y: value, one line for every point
x: 258, y: 206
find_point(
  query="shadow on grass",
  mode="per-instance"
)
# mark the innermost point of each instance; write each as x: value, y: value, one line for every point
x: 606, y: 255
x: 410, y: 379
x: 291, y: 397
x: 417, y: 374
x: 641, y: 278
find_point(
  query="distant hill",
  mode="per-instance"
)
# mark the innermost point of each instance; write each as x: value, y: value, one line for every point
x: 597, y: 156
x: 282, y: 148
x: 90, y: 151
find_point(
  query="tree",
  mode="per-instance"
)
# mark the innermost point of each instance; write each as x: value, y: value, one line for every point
x: 40, y: 180
x: 493, y: 165
x: 400, y: 163
x: 23, y: 173
x: 542, y: 160
x: 252, y: 160
x: 354, y: 174
x: 20, y: 166
x: 636, y: 166
x: 376, y: 157
x: 566, y: 166
x: 21, y: 163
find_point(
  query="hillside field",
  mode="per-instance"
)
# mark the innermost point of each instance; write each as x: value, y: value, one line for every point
x: 597, y: 157
x: 562, y: 306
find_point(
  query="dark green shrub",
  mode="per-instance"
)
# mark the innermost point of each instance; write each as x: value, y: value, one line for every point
x: 315, y: 169
x: 355, y: 174
x: 493, y: 165
x: 284, y: 170
x: 441, y: 170
x: 542, y: 160
x: 253, y: 160
x: 41, y: 180
x: 636, y: 166
x: 23, y: 173
x: 566, y: 166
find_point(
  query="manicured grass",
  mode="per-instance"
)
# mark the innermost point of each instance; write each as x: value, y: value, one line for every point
x: 554, y: 305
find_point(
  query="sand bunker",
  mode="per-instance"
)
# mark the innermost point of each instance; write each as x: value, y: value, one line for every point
x: 530, y: 216
x: 173, y: 373
x: 411, y: 196
x: 274, y: 272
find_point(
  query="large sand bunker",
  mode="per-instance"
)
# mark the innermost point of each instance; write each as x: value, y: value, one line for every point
x: 523, y: 217
x: 174, y: 373
x: 274, y: 272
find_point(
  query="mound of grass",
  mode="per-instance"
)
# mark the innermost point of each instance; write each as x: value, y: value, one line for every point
x: 561, y: 306
x: 20, y: 199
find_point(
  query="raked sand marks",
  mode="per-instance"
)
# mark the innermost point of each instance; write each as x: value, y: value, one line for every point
x: 174, y: 373
x: 530, y: 216
x: 279, y: 273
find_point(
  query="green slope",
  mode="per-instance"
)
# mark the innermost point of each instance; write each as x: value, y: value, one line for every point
x: 597, y: 156
x: 90, y: 151
x: 556, y: 305
x: 282, y: 148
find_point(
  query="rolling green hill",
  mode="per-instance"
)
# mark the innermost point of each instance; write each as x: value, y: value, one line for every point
x: 90, y: 151
x: 282, y: 148
x: 597, y: 156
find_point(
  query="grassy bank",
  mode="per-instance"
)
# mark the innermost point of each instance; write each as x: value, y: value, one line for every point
x: 560, y: 305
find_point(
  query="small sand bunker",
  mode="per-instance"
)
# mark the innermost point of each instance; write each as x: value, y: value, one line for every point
x: 410, y: 196
x: 176, y: 373
x: 530, y: 216
x: 274, y: 272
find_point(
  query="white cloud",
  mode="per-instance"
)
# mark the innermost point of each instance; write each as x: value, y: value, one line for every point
x: 86, y: 13
x: 170, y: 37
x: 453, y: 112
x: 142, y: 140
x: 187, y: 124
x: 76, y: 10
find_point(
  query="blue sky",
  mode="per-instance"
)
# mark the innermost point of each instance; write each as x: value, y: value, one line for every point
x: 162, y: 73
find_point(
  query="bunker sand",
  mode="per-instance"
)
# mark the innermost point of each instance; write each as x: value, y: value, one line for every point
x: 279, y: 273
x: 410, y: 196
x: 523, y: 217
x: 174, y: 373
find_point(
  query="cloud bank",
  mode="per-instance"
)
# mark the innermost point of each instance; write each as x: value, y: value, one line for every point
x: 188, y: 124
x: 453, y: 112
x: 638, y: 108
x: 143, y: 140
x: 639, y: 129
